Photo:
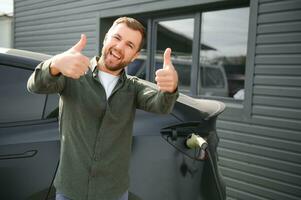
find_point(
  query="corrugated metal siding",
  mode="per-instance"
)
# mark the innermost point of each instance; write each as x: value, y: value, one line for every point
x: 278, y: 60
x: 261, y: 157
x: 54, y: 26
x: 260, y: 162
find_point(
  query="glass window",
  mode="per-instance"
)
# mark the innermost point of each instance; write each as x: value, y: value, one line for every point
x: 170, y: 33
x: 138, y: 66
x: 51, y: 108
x: 224, y: 37
x: 16, y: 103
x: 212, y: 78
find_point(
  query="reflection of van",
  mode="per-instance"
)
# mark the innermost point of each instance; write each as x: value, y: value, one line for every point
x: 212, y: 77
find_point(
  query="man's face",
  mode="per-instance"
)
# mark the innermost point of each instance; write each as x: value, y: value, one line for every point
x: 120, y: 47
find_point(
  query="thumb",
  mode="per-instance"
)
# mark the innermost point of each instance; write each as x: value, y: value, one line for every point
x: 167, y: 58
x: 81, y: 44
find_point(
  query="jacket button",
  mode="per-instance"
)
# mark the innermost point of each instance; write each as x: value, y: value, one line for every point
x: 95, y: 158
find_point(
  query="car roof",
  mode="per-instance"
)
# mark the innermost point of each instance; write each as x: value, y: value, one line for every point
x: 207, y: 108
x: 25, y: 54
x: 21, y: 58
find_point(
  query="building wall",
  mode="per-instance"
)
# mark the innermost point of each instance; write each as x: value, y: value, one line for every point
x: 260, y: 150
x: 260, y: 139
x: 6, y: 34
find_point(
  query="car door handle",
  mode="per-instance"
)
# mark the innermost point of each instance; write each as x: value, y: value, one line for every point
x: 26, y: 154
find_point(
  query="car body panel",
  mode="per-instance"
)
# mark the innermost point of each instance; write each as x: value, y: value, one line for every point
x: 29, y: 144
x: 162, y: 167
x: 167, y: 173
x: 29, y: 155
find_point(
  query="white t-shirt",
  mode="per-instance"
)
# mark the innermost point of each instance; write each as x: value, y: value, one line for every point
x: 108, y: 81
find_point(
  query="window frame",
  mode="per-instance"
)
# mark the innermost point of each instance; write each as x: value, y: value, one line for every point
x: 196, y: 48
x: 237, y: 110
x: 154, y: 29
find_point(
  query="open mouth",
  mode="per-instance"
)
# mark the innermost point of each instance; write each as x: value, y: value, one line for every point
x: 115, y: 54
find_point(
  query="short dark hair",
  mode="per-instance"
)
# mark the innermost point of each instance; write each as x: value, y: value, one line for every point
x: 132, y: 24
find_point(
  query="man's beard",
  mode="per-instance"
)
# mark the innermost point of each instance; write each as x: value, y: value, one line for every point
x: 106, y: 64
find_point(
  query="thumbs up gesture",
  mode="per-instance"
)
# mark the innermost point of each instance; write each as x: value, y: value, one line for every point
x: 71, y: 63
x: 167, y: 77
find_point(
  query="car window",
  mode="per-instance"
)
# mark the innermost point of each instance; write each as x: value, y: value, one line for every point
x: 137, y: 68
x: 16, y: 103
x: 51, y: 108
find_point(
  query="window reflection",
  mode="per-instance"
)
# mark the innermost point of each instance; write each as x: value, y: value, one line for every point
x: 13, y: 91
x: 212, y: 77
x: 172, y: 34
x: 223, y: 63
x: 138, y: 66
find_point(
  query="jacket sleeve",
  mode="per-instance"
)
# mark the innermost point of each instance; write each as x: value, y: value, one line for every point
x: 42, y: 82
x: 150, y: 99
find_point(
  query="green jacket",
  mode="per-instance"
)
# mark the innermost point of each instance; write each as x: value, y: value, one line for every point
x: 96, y: 133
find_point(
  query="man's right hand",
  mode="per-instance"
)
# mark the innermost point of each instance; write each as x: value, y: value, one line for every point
x: 71, y: 63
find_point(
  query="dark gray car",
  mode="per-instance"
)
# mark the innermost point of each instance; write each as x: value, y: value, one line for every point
x: 166, y: 162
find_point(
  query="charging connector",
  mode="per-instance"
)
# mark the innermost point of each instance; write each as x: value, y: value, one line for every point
x: 197, y: 142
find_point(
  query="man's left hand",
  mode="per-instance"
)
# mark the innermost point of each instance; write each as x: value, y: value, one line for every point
x: 167, y: 77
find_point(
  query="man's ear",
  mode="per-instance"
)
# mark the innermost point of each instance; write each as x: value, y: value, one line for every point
x: 135, y: 56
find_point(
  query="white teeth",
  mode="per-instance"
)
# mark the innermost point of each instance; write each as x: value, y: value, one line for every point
x: 115, y: 55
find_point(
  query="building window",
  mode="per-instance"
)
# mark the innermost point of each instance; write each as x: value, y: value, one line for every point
x: 225, y: 33
x: 217, y: 70
x: 138, y: 66
x: 170, y: 33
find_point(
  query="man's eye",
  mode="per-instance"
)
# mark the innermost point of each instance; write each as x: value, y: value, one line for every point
x: 116, y: 37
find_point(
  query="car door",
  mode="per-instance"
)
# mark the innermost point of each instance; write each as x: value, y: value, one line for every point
x: 29, y: 147
x: 162, y: 167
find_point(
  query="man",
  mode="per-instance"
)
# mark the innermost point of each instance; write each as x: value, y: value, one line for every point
x: 96, y: 111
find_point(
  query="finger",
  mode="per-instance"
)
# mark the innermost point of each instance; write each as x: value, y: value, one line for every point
x: 80, y: 45
x: 82, y: 68
x: 166, y: 79
x: 84, y: 60
x: 81, y: 61
x: 79, y: 72
x: 162, y: 72
x: 167, y: 58
x: 76, y: 67
x: 165, y: 83
x: 75, y: 76
x: 164, y: 89
x: 165, y: 86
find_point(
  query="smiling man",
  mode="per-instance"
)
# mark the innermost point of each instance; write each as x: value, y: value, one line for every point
x: 116, y: 53
x: 97, y: 109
